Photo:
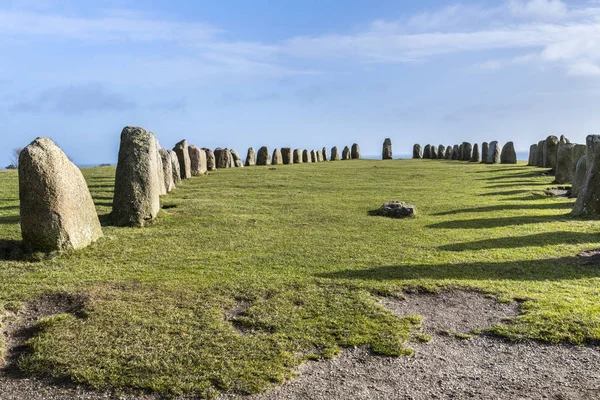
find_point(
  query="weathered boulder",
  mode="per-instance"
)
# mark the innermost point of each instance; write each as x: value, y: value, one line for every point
x: 237, y: 160
x: 508, y: 154
x: 175, y: 167
x: 185, y: 165
x: 210, y: 160
x: 591, y: 143
x: 532, y: 155
x: 588, y: 199
x: 324, y: 153
x: 434, y: 152
x: 441, y: 151
x: 319, y: 156
x: 165, y: 158
x: 222, y: 158
x: 579, y: 176
x: 461, y: 148
x: 263, y: 156
x: 306, y: 158
x: 335, y: 154
x: 346, y: 153
x: 493, y: 153
x: 467, y: 151
x: 313, y: 156
x: 578, y: 151
x: 298, y: 156
x: 57, y: 210
x: 455, y: 152
x: 427, y: 152
x: 287, y: 154
x: 231, y: 162
x: 197, y: 160
x: 137, y: 188
x: 277, y: 157
x: 540, y: 153
x: 251, y: 157
x: 417, y: 151
x: 397, y: 209
x: 564, y: 162
x: 159, y: 170
x: 355, y: 153
x: 448, y: 154
x: 475, y: 155
x: 386, y: 153
x: 485, y: 149
x: 550, y: 149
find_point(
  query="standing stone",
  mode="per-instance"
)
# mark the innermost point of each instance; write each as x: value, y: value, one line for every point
x: 475, y: 155
x: 455, y: 152
x: 57, y: 210
x: 251, y: 157
x: 433, y: 151
x: 355, y: 153
x: 467, y: 151
x: 197, y: 160
x: 564, y: 162
x: 427, y: 152
x: 588, y: 199
x: 335, y: 154
x: 441, y: 151
x: 590, y: 143
x: 550, y: 149
x: 137, y: 187
x: 298, y: 156
x: 237, y: 160
x: 185, y: 165
x: 287, y: 154
x: 448, y: 154
x: 579, y: 176
x: 417, y: 151
x: 159, y: 170
x: 324, y: 153
x: 493, y: 153
x: 277, y: 157
x: 578, y: 152
x: 222, y: 158
x: 540, y: 153
x: 175, y: 168
x: 306, y: 158
x: 210, y: 160
x: 263, y: 157
x: 485, y: 149
x: 532, y: 155
x: 231, y: 162
x: 319, y: 156
x: 313, y: 156
x: 346, y: 153
x: 165, y: 158
x: 508, y: 154
x: 386, y: 154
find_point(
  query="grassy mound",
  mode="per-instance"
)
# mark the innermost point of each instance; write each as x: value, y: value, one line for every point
x: 248, y: 272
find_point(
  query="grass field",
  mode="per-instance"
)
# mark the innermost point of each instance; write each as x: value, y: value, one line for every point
x: 248, y: 272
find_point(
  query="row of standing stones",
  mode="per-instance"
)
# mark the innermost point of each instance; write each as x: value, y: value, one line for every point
x: 57, y: 210
x: 577, y: 164
x: 490, y: 152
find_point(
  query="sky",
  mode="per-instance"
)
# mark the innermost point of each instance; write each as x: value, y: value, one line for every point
x: 296, y: 73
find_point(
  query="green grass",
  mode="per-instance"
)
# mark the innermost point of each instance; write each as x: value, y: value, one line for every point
x: 296, y: 253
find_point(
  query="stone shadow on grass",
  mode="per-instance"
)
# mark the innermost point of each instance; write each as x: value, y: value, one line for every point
x: 486, y: 223
x: 506, y: 192
x: 10, y: 219
x: 553, y: 269
x: 506, y: 207
x: 539, y: 239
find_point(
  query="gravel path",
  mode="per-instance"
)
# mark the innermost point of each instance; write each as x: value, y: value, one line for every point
x: 446, y: 368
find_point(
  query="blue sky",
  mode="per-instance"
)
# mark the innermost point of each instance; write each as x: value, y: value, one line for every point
x: 300, y: 73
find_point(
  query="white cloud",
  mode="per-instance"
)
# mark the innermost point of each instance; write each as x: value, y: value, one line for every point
x: 546, y: 9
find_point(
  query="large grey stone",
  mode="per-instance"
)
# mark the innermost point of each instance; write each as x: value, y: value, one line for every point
x: 475, y: 155
x: 441, y: 151
x: 287, y: 154
x: 397, y: 209
x: 298, y: 156
x: 591, y: 145
x: 417, y: 151
x: 237, y: 160
x: 306, y: 158
x: 448, y: 153
x: 160, y: 171
x: 313, y: 156
x: 222, y: 158
x: 579, y: 176
x: 277, y: 157
x: 251, y: 157
x: 197, y: 160
x: 427, y: 152
x: 493, y: 153
x: 210, y: 160
x: 550, y: 150
x: 137, y: 188
x: 433, y: 151
x: 57, y: 210
x: 263, y: 156
x: 564, y: 162
x: 508, y: 154
x: 324, y: 154
x: 355, y: 153
x: 175, y: 167
x: 532, y: 160
x: 386, y: 153
x: 578, y: 151
x: 467, y: 151
x: 319, y: 156
x: 165, y: 158
x: 183, y: 155
x: 540, y: 153
x: 588, y: 199
x: 455, y: 152
x: 485, y: 149
x: 346, y: 153
x: 335, y: 154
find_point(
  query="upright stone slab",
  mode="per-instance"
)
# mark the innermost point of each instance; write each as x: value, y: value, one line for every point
x: 417, y: 151
x: 57, y: 210
x: 251, y: 157
x: 493, y: 153
x: 427, y: 152
x: 485, y: 149
x: 306, y: 158
x: 386, y: 153
x: 550, y: 150
x: 222, y: 158
x: 355, y: 153
x: 137, y: 188
x: 591, y: 143
x: 448, y: 153
x: 441, y: 151
x: 165, y: 158
x: 287, y: 154
x: 313, y: 156
x: 434, y: 152
x: 461, y: 148
x: 579, y: 176
x: 175, y: 167
x: 346, y: 153
x: 197, y: 160
x: 540, y: 153
x: 263, y: 156
x: 185, y: 164
x: 236, y: 159
x: 319, y: 156
x: 324, y: 154
x: 564, y: 163
x: 588, y: 199
x: 210, y: 160
x: 335, y: 154
x: 475, y: 155
x: 532, y: 155
x: 277, y: 157
x: 297, y: 156
x: 467, y: 152
x: 578, y: 152
x: 508, y: 154
x: 159, y: 170
x: 455, y: 152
